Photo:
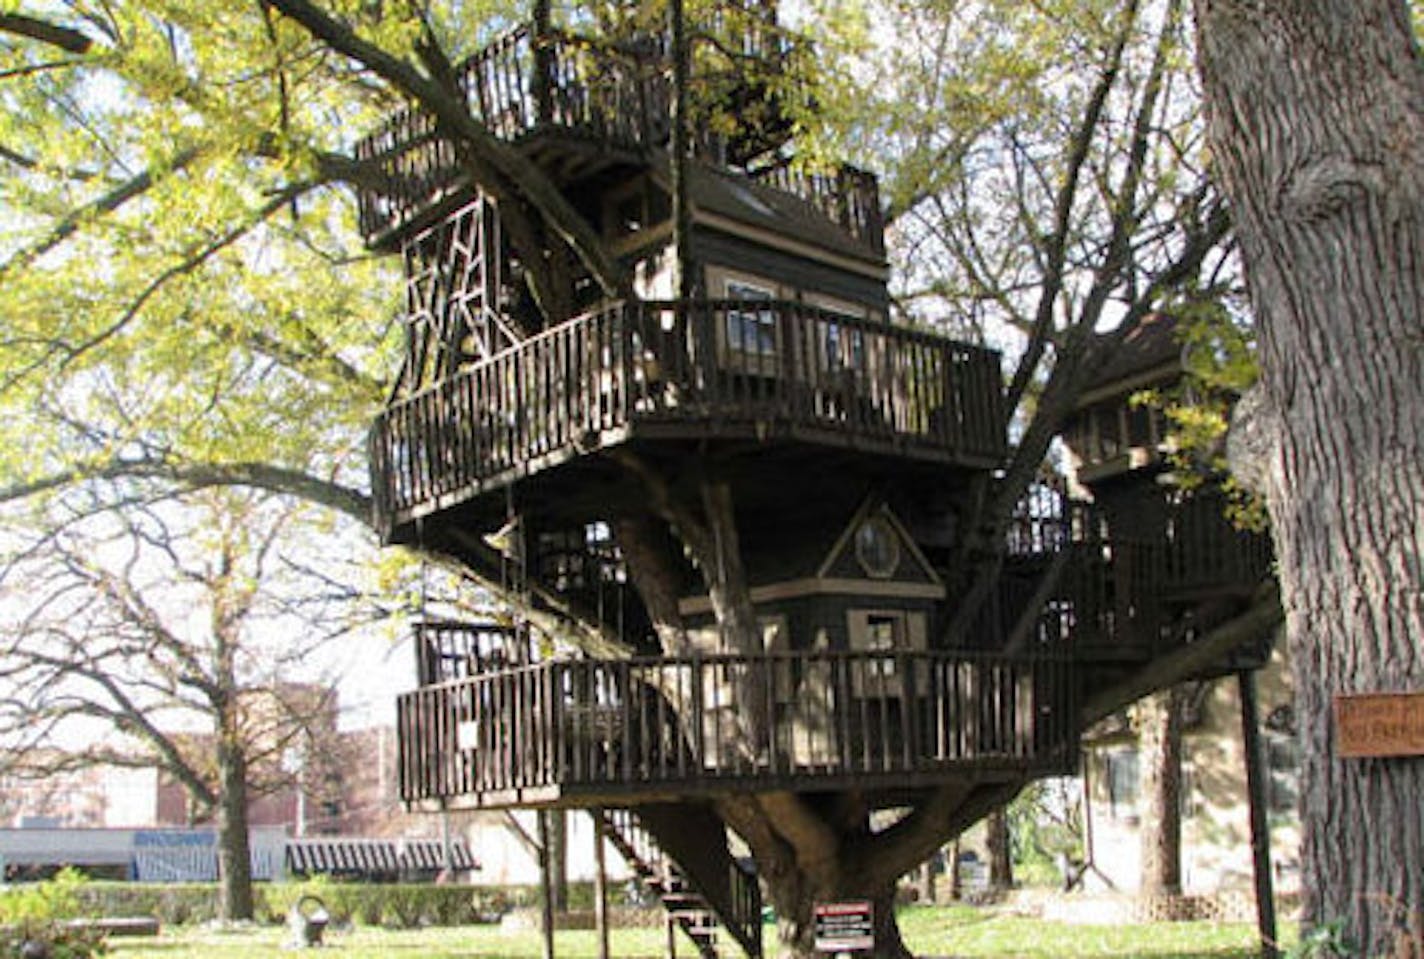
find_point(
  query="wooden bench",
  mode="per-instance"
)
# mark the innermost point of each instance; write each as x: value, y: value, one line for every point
x: 118, y: 926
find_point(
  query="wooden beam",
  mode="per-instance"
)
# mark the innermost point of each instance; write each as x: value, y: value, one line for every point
x: 1023, y: 627
x: 1260, y: 829
x: 1263, y: 615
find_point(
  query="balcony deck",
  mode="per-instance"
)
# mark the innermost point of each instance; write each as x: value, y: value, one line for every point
x: 1119, y: 601
x: 680, y: 370
x: 600, y: 105
x: 585, y: 731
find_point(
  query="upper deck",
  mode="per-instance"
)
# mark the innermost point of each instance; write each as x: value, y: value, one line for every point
x: 577, y: 106
x: 701, y: 370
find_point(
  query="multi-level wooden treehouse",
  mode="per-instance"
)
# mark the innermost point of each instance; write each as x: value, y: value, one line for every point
x: 848, y: 446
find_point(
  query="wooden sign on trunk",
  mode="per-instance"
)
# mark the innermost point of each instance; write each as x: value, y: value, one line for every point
x: 1379, y: 724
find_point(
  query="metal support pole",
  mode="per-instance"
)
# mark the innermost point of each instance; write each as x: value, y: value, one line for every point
x: 600, y: 884
x: 546, y: 886
x: 1260, y: 829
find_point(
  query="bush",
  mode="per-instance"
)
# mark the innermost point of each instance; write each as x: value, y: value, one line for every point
x: 172, y: 904
x: 392, y: 905
x: 36, y: 914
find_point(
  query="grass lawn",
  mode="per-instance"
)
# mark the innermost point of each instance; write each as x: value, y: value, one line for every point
x: 958, y: 931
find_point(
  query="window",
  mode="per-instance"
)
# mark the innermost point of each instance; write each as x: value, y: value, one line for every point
x: 877, y: 548
x: 887, y: 630
x: 750, y: 333
x: 1283, y: 770
x: 883, y: 632
x: 1122, y: 783
x: 845, y: 347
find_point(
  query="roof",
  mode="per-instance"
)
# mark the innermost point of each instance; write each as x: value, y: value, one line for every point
x: 736, y: 196
x: 360, y: 854
x: 1153, y: 344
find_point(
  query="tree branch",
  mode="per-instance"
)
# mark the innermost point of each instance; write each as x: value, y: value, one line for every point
x: 276, y: 479
x: 65, y: 38
x: 108, y: 203
x: 492, y: 163
x: 1057, y: 242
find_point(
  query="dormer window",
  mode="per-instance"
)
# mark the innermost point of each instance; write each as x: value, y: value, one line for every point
x: 877, y: 548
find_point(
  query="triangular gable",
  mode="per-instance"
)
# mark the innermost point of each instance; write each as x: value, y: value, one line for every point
x: 842, y: 572
x: 850, y: 559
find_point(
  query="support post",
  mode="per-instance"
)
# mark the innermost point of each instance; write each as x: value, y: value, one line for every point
x: 541, y: 84
x: 1260, y: 829
x: 447, y: 844
x: 681, y: 212
x: 546, y: 887
x: 600, y: 884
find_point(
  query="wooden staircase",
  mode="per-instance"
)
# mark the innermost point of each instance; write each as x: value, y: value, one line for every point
x: 713, y: 893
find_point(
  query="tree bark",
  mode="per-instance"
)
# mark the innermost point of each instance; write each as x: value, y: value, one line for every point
x: 795, y: 912
x: 956, y: 887
x: 1001, y: 860
x: 1159, y: 741
x: 234, y: 851
x: 1316, y: 120
x: 557, y: 829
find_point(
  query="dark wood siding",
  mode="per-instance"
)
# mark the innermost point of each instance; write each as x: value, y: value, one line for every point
x: 714, y: 248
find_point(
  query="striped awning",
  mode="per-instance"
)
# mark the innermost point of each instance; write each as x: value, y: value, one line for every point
x: 361, y: 855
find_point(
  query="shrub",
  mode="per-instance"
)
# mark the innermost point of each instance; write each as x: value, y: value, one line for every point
x: 37, y: 913
x: 172, y: 904
x: 404, y: 905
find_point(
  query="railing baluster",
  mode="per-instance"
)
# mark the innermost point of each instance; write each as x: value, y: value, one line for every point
x: 591, y: 723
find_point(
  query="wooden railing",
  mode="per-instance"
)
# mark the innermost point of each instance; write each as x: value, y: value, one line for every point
x: 1204, y: 549
x: 713, y: 365
x: 517, y: 85
x: 738, y: 907
x: 446, y: 651
x: 717, y: 722
x: 848, y: 197
x: 512, y: 87
x: 1119, y: 589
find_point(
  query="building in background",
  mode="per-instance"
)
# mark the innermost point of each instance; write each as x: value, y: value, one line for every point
x: 1216, y: 831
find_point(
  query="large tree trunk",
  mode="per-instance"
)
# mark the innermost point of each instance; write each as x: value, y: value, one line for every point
x: 1159, y: 741
x: 1000, y: 848
x: 795, y: 913
x: 1316, y: 113
x: 234, y: 854
x: 809, y: 848
x: 557, y: 829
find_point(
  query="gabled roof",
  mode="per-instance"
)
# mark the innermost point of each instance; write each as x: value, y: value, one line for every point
x: 722, y: 197
x: 1147, y: 354
x: 828, y: 564
x: 912, y: 565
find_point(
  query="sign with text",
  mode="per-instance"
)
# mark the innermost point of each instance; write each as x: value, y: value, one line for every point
x: 1379, y: 724
x: 845, y: 927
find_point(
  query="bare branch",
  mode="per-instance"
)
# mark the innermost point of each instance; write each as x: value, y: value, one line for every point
x: 1055, y: 247
x: 193, y: 476
x: 65, y: 38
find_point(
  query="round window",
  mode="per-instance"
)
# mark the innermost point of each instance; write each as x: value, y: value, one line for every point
x: 877, y: 548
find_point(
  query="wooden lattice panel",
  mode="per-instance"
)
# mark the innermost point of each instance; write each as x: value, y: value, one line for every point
x: 453, y: 276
